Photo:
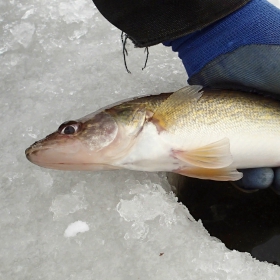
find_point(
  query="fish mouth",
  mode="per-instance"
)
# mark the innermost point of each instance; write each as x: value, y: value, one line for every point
x: 35, y: 155
x: 32, y: 151
x: 31, y: 154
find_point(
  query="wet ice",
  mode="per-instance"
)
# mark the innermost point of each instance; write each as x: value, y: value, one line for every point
x: 61, y: 60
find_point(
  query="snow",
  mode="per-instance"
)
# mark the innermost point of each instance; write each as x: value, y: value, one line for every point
x: 61, y: 60
x: 76, y: 227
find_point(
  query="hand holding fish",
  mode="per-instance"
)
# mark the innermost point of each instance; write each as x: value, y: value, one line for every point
x: 208, y: 136
x: 236, y: 47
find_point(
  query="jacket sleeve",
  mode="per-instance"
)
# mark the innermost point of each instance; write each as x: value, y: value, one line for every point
x: 149, y: 22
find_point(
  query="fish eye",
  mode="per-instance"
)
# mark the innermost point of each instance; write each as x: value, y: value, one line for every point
x: 70, y: 127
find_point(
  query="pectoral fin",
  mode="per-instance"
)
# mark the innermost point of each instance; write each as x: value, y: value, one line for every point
x: 220, y: 174
x: 214, y: 155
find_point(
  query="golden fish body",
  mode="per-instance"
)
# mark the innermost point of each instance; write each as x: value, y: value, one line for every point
x: 206, y: 135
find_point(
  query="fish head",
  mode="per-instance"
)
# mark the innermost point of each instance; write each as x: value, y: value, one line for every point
x: 93, y: 142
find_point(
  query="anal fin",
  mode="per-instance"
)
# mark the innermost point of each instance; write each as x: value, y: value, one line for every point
x: 219, y: 174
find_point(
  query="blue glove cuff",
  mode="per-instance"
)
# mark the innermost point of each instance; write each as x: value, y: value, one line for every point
x: 258, y: 22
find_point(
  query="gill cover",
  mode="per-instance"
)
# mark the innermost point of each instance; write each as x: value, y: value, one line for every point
x: 99, y: 131
x: 130, y: 121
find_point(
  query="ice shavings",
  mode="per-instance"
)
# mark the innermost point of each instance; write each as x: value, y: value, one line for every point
x: 65, y: 204
x: 79, y: 33
x: 75, y: 11
x: 23, y: 33
x: 3, y: 49
x: 75, y: 228
x: 179, y: 247
x: 148, y: 203
x: 28, y: 13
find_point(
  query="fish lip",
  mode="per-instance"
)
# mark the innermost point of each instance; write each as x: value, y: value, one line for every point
x: 32, y: 151
x: 66, y: 166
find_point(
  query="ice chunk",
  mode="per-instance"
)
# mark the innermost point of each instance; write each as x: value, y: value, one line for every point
x: 79, y: 33
x: 76, y: 227
x: 149, y: 203
x: 28, y: 13
x: 23, y: 33
x: 76, y: 11
x: 65, y: 204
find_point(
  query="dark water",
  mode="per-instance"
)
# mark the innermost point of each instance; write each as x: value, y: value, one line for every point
x: 247, y: 222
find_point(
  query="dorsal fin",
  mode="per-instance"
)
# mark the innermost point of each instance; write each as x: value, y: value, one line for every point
x: 176, y: 105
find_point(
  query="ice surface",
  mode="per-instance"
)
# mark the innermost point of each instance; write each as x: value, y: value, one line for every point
x: 68, y: 203
x: 76, y: 227
x: 23, y: 33
x: 61, y: 60
x: 275, y: 2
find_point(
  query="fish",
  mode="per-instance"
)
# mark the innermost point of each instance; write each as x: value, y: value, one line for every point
x: 195, y: 132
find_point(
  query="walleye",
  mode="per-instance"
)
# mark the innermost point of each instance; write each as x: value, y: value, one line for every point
x: 207, y: 135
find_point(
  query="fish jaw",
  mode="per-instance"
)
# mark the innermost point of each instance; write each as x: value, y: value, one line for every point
x: 65, y: 152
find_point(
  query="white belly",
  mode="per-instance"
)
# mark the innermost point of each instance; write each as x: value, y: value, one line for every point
x: 257, y: 151
x: 153, y: 151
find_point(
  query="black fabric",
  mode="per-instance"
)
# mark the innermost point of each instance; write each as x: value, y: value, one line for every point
x: 149, y: 22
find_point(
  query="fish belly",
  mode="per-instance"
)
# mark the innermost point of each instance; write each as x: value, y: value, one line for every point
x: 151, y: 152
x: 255, y: 151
